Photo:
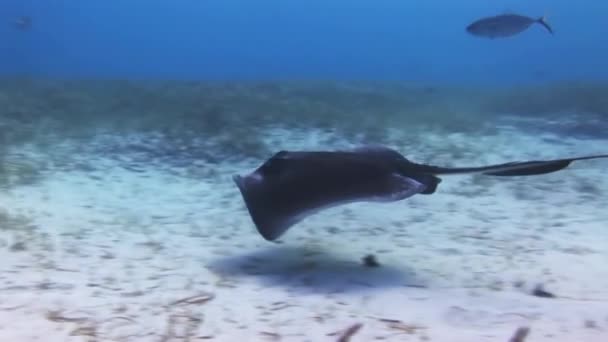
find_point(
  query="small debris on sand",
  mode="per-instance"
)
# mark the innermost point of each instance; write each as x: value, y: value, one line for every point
x: 270, y: 336
x: 406, y: 328
x: 520, y: 334
x: 370, y: 261
x: 590, y: 324
x: 539, y: 291
x: 194, y: 300
x: 57, y: 316
x: 346, y: 334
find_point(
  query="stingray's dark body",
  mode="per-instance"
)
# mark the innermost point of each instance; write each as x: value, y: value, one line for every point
x: 291, y: 186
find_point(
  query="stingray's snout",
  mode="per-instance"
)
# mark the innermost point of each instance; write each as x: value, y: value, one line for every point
x: 240, y: 183
x: 238, y: 180
x: 246, y: 183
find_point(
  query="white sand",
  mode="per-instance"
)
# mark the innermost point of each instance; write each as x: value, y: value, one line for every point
x: 110, y: 250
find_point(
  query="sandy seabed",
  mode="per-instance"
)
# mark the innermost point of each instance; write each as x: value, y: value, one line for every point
x: 114, y: 253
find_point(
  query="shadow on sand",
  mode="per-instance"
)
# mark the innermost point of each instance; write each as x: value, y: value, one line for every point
x: 308, y: 269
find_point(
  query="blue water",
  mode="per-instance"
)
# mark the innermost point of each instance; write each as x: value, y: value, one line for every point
x: 314, y: 39
x: 118, y: 209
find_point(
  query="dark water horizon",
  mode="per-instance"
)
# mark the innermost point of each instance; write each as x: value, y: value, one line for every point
x: 290, y: 40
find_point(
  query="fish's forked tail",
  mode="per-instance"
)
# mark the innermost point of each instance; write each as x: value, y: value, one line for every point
x: 543, y: 21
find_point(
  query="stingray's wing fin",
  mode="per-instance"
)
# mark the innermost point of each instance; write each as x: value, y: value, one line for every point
x: 523, y: 168
x: 269, y: 224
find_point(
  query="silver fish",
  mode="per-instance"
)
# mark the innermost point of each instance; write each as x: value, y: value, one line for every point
x: 504, y: 25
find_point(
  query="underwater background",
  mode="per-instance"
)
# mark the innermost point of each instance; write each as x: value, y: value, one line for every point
x: 123, y: 122
x: 320, y: 40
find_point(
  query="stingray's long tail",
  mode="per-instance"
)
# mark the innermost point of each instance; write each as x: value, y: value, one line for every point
x: 524, y: 168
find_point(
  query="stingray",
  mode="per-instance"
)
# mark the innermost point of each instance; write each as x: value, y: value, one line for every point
x: 293, y: 185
